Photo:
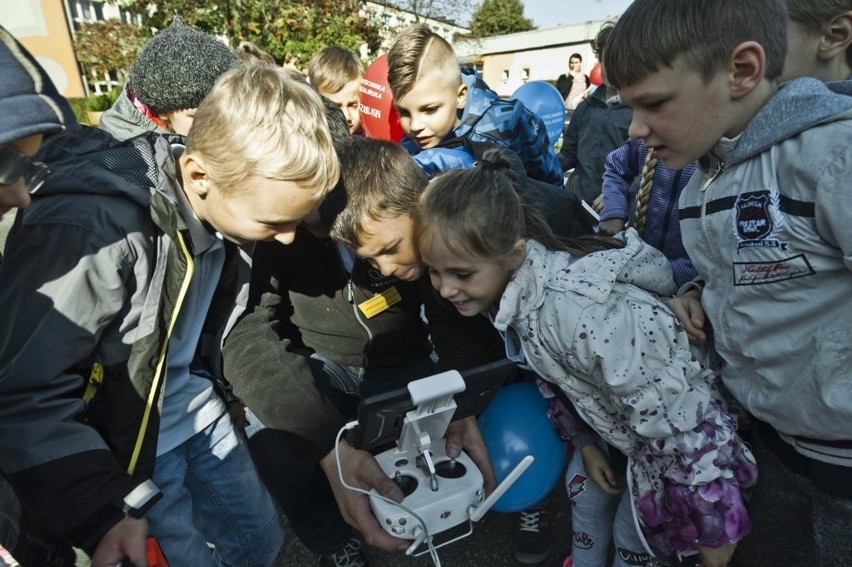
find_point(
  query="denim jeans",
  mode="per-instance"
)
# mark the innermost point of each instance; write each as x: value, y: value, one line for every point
x: 212, y: 493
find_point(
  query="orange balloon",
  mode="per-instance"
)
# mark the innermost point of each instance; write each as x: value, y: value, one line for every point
x: 378, y: 114
x: 595, y: 76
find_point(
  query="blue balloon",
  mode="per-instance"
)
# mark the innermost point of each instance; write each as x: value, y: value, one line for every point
x: 513, y: 426
x: 544, y: 100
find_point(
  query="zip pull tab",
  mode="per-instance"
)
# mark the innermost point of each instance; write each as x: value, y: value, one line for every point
x: 96, y: 378
x: 719, y: 167
x: 350, y: 291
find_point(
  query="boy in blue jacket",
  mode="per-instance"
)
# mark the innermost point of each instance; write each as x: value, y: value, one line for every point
x: 438, y: 104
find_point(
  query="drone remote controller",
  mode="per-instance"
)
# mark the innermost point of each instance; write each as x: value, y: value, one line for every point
x: 442, y: 491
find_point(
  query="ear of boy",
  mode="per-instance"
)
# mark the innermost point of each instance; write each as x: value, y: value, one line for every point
x: 748, y: 87
x: 837, y: 37
x: 747, y: 68
x: 193, y: 175
x: 461, y: 97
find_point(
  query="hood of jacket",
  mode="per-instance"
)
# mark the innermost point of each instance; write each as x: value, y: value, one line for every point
x: 123, y: 120
x: 479, y: 99
x: 797, y: 106
x: 91, y: 161
x: 593, y: 276
x: 598, y: 98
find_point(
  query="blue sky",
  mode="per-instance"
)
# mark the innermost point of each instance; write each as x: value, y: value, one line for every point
x: 551, y: 13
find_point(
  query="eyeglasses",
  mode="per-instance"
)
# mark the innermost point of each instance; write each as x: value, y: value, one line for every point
x: 15, y: 164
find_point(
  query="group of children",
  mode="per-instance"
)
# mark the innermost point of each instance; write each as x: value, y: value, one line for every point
x: 130, y: 300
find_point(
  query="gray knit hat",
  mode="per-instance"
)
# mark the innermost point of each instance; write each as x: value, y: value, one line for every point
x: 178, y: 67
x: 29, y: 103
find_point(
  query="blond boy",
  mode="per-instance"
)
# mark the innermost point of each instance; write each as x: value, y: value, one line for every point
x: 336, y: 73
x: 135, y: 282
x: 441, y: 106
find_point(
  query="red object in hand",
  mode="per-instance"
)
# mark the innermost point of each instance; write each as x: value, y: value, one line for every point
x: 155, y: 554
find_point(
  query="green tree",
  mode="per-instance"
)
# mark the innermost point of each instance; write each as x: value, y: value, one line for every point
x: 109, y: 45
x: 499, y: 17
x: 290, y: 30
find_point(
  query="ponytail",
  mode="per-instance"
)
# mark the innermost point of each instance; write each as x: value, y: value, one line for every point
x: 482, y: 211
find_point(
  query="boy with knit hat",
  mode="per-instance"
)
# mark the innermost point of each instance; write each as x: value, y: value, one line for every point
x: 110, y: 346
x: 169, y: 79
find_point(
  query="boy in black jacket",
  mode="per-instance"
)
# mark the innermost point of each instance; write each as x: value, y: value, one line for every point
x: 313, y: 324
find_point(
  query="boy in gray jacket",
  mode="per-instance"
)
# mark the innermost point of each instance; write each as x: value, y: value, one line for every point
x: 765, y: 221
x: 110, y: 341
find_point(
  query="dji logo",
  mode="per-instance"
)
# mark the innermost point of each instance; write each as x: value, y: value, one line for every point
x: 445, y: 515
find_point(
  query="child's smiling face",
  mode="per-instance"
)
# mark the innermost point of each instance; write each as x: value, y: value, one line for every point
x: 473, y: 284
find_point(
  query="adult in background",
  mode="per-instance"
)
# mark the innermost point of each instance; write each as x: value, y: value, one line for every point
x: 573, y: 85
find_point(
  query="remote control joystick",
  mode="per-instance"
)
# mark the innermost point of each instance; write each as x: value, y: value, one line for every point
x: 442, y: 491
x: 437, y: 488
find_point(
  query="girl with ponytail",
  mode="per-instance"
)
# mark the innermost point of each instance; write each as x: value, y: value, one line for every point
x: 586, y: 316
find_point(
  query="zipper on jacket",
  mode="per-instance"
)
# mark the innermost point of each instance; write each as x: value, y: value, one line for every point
x: 717, y: 258
x: 96, y: 379
x: 350, y: 294
x: 719, y: 168
x: 161, y: 359
x: 720, y: 337
x: 350, y: 297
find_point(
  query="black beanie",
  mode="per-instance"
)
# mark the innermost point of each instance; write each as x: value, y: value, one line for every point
x: 178, y: 67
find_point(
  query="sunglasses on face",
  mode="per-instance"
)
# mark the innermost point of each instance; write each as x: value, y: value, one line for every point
x: 15, y: 165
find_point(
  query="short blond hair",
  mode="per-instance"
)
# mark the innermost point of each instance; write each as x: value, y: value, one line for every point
x: 258, y: 121
x: 416, y: 49
x: 333, y: 68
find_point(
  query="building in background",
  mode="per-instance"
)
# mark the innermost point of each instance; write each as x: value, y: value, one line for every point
x: 506, y: 62
x: 43, y: 27
x: 47, y: 29
x: 392, y: 20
